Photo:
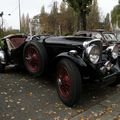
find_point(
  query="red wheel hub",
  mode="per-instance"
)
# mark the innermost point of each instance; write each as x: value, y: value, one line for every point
x: 32, y: 58
x: 64, y: 82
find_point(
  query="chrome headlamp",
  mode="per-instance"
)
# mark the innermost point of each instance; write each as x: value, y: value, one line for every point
x: 93, y: 53
x: 114, y: 51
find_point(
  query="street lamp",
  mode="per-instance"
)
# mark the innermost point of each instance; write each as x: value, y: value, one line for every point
x: 19, y: 15
x: 1, y: 15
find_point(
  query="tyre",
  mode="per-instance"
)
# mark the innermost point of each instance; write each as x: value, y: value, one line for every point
x: 68, y: 82
x: 34, y: 58
x: 2, y: 68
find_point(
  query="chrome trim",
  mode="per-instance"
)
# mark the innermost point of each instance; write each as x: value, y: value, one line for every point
x: 73, y: 52
x: 87, y: 43
x: 114, y: 51
x: 108, y: 65
x: 93, y: 56
x: 2, y: 57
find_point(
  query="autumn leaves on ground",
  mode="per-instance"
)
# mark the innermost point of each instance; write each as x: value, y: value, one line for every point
x: 23, y: 97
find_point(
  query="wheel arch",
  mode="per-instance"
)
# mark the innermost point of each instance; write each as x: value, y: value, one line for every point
x: 78, y: 61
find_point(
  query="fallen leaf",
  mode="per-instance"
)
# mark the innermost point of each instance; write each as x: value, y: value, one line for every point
x: 57, y: 118
x: 30, y: 94
x: 12, y: 117
x: 22, y: 109
x: 109, y: 109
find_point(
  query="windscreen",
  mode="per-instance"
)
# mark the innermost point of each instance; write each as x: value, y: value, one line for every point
x: 118, y: 36
x: 110, y: 37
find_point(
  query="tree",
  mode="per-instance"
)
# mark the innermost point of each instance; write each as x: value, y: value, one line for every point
x: 115, y: 16
x: 1, y: 25
x: 62, y: 7
x: 62, y: 19
x: 54, y: 18
x: 10, y: 30
x: 27, y: 20
x: 82, y: 7
x: 71, y: 20
x: 66, y: 19
x: 107, y: 23
x: 44, y: 24
x: 25, y: 23
x: 93, y: 19
x: 35, y: 25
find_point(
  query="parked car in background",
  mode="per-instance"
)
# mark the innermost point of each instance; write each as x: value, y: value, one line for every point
x: 118, y: 35
x: 107, y: 38
x: 73, y: 59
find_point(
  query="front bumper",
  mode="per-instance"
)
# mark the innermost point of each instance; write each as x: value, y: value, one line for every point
x: 105, y: 72
x: 115, y: 74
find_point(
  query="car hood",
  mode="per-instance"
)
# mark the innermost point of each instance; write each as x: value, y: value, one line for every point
x: 67, y: 40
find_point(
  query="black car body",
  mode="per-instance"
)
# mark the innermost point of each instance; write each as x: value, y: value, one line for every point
x: 75, y: 59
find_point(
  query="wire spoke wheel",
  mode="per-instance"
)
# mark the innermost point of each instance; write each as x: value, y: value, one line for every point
x: 32, y: 58
x: 68, y: 82
x: 35, y: 58
x: 64, y: 82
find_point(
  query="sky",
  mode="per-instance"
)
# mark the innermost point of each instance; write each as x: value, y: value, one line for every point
x: 33, y: 7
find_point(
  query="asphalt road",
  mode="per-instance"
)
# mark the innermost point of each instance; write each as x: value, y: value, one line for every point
x: 24, y: 97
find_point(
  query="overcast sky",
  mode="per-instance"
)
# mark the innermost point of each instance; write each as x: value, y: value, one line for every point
x: 32, y: 7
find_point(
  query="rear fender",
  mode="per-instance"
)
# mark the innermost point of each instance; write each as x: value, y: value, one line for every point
x: 76, y: 59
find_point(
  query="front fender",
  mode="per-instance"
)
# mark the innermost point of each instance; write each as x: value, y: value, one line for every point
x: 76, y: 59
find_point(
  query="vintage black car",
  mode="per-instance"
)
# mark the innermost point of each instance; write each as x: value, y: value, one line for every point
x: 74, y: 59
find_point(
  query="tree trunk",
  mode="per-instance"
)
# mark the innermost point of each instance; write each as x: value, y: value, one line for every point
x: 78, y: 22
x: 83, y: 20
